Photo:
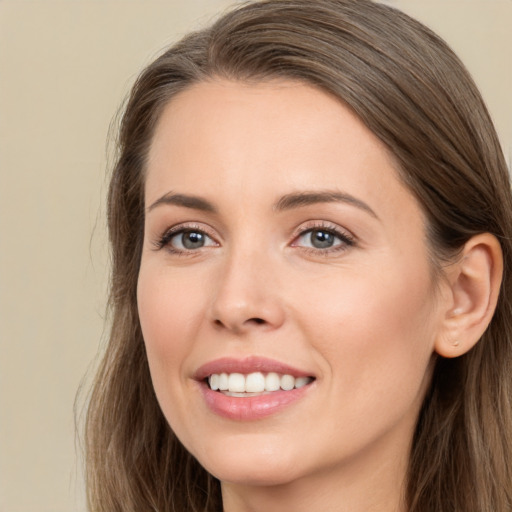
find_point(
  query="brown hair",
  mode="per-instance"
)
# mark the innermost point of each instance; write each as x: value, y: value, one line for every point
x: 411, y: 91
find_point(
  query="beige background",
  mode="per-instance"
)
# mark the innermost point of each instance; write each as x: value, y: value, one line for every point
x: 64, y: 68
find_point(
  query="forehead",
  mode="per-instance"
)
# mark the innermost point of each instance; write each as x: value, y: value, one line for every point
x: 272, y: 137
x: 294, y: 111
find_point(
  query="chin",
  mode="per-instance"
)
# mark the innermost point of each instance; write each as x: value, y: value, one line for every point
x: 251, y: 467
x: 257, y: 477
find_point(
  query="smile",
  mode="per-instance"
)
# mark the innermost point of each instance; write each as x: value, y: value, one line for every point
x: 251, y: 388
x: 254, y: 384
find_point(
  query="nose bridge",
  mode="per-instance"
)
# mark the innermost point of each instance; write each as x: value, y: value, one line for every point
x: 247, y: 292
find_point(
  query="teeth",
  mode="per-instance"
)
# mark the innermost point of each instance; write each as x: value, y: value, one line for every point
x: 287, y: 382
x: 256, y: 382
x: 272, y: 382
x: 214, y: 382
x: 223, y: 382
x: 302, y: 381
x: 236, y: 383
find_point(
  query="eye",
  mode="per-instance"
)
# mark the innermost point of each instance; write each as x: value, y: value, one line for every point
x: 186, y: 239
x: 320, y: 239
x: 323, y: 239
x: 190, y: 240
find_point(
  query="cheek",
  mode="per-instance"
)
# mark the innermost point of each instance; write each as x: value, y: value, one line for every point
x: 376, y: 334
x: 169, y: 303
x: 168, y: 312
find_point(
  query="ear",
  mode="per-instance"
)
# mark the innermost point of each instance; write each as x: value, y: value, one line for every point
x: 474, y: 283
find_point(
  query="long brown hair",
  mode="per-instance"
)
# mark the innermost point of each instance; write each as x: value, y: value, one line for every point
x: 411, y: 91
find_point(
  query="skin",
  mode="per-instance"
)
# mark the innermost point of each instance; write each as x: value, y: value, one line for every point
x: 362, y: 317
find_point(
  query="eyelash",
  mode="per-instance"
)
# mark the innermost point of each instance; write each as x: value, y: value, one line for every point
x: 346, y: 239
x: 165, y: 240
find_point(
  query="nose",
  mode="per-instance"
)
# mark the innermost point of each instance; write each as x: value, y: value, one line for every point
x: 247, y: 295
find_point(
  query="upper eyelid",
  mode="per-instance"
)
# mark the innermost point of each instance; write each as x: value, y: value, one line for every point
x: 322, y: 224
x: 298, y: 231
x: 190, y: 226
x: 162, y: 239
x: 301, y: 229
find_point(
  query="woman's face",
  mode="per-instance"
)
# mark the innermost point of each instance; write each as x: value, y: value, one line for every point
x: 279, y: 241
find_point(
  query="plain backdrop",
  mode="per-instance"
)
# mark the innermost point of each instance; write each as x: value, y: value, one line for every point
x: 65, y: 67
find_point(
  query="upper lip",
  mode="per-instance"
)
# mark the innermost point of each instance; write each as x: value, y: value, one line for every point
x: 247, y: 365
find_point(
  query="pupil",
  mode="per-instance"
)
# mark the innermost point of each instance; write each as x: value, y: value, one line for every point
x: 193, y: 240
x: 322, y: 239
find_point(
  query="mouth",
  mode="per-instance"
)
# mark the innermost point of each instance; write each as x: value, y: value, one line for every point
x: 252, y: 388
x: 254, y: 384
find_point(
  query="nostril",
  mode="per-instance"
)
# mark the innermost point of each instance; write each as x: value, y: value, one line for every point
x: 258, y: 321
x: 239, y: 327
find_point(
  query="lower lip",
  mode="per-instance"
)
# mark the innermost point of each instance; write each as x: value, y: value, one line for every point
x: 251, y: 407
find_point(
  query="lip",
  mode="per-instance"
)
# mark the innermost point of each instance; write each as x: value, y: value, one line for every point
x: 250, y: 408
x: 248, y: 365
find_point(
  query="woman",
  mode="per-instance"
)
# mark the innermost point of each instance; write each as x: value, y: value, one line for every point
x: 311, y: 223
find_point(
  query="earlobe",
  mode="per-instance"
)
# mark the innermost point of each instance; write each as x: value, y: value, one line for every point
x: 474, y: 282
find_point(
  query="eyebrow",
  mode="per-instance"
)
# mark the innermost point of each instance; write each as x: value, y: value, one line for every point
x: 186, y: 201
x: 287, y: 202
x: 302, y: 199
